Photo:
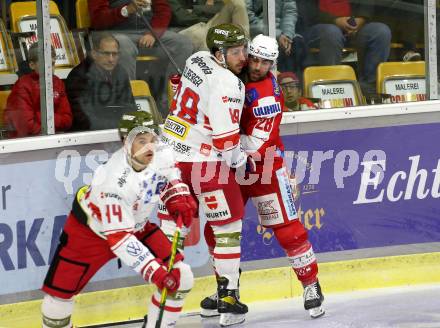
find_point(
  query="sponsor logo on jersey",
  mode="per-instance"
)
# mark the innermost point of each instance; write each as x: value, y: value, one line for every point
x: 201, y: 63
x: 267, y: 110
x: 303, y: 260
x: 286, y: 193
x: 215, y: 205
x: 276, y: 87
x: 211, y: 202
x: 140, y: 260
x: 162, y: 208
x: 110, y: 195
x: 133, y: 248
x: 192, y: 76
x: 160, y: 187
x: 176, y: 127
x: 218, y: 215
x: 123, y: 178
x: 269, y: 209
x: 266, y: 210
x: 226, y: 99
x: 177, y: 146
x: 205, y: 149
x: 251, y: 96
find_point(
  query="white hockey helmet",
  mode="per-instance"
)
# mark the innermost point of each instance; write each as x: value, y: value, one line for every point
x: 264, y: 47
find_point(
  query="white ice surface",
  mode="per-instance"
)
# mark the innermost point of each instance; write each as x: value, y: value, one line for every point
x: 401, y: 307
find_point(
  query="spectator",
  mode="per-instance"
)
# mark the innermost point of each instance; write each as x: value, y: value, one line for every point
x: 22, y: 114
x: 291, y: 89
x: 286, y: 17
x: 131, y: 30
x: 293, y: 99
x: 98, y: 88
x: 194, y: 18
x: 333, y: 24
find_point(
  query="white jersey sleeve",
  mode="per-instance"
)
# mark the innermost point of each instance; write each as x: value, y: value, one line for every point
x: 205, y: 114
x: 165, y: 163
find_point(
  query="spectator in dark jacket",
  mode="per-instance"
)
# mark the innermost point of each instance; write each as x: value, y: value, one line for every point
x: 193, y: 18
x: 332, y: 24
x: 99, y: 88
x: 22, y: 114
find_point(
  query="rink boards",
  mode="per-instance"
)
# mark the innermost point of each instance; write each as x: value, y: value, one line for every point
x: 361, y: 189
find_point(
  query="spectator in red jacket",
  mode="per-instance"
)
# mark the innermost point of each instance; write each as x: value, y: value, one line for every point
x: 22, y: 113
x: 122, y: 18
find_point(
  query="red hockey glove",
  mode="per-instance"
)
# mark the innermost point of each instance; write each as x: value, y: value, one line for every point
x: 178, y: 200
x: 157, y: 274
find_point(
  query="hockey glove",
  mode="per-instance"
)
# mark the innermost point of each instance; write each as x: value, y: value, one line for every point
x: 178, y: 200
x: 157, y: 274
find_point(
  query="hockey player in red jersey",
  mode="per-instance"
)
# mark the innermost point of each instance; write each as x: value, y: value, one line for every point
x: 272, y: 192
x: 110, y: 218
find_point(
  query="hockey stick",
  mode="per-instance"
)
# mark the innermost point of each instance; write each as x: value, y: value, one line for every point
x: 163, y: 297
x: 140, y: 14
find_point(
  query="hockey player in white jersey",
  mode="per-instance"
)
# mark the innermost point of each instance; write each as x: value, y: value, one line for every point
x: 110, y: 218
x: 203, y: 129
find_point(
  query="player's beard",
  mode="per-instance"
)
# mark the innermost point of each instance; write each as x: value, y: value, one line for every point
x: 237, y: 68
x: 256, y: 75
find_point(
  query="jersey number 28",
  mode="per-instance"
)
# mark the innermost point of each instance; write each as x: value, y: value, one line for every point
x: 265, y: 124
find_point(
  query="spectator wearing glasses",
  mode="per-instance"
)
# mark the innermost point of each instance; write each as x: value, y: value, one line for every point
x: 136, y: 24
x: 99, y: 88
x: 22, y: 114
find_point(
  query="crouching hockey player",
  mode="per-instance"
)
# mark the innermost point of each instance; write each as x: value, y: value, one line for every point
x: 110, y: 218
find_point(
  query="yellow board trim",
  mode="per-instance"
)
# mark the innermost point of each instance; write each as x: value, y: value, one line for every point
x: 130, y: 303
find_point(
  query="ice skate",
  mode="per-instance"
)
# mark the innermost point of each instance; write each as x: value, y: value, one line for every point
x: 313, y: 299
x: 231, y: 310
x: 209, y: 306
